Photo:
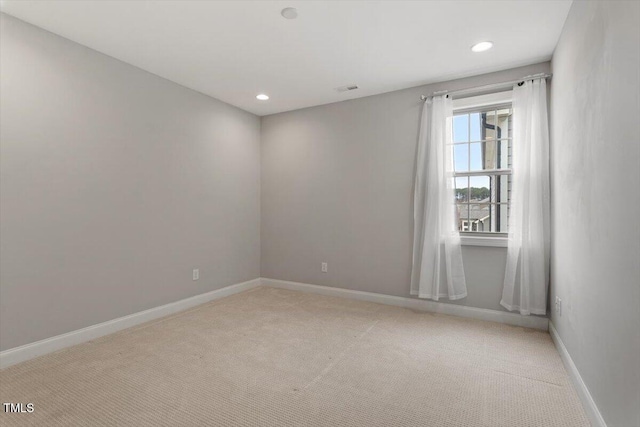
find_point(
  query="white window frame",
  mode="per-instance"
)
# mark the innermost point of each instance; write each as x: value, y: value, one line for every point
x: 476, y: 238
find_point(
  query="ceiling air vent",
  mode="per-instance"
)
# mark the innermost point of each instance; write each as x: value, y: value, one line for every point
x: 347, y: 88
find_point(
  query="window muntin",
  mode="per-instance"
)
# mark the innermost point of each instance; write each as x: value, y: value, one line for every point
x: 481, y: 148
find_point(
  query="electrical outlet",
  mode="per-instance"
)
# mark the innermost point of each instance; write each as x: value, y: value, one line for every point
x: 196, y: 273
x: 325, y: 267
x: 558, y: 306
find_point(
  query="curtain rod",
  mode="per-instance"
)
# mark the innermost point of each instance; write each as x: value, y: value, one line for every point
x: 488, y: 87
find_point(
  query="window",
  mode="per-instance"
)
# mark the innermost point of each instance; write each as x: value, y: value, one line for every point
x: 482, y: 137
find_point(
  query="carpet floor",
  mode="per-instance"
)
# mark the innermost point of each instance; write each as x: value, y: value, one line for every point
x: 272, y: 357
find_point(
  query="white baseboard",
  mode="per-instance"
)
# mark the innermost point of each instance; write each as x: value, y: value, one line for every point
x: 581, y: 388
x: 416, y: 304
x: 49, y: 345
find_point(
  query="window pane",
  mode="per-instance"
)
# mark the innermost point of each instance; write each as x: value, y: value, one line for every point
x: 476, y: 156
x: 461, y: 157
x: 501, y: 217
x: 504, y: 123
x: 480, y: 215
x: 462, y: 189
x: 489, y: 154
x: 500, y: 187
x: 503, y: 158
x: 461, y: 128
x: 475, y: 122
x: 462, y: 217
x: 480, y: 188
x: 483, y: 213
x: 489, y: 127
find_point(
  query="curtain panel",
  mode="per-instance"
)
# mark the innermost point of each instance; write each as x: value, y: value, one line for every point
x: 527, y: 271
x: 437, y: 255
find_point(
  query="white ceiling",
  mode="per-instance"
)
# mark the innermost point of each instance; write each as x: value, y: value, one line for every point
x: 233, y: 50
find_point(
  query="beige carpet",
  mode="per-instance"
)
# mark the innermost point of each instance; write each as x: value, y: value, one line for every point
x: 271, y: 357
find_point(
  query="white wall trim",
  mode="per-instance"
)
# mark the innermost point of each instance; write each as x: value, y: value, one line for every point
x: 581, y: 388
x: 496, y: 242
x: 49, y: 345
x: 535, y: 322
x: 29, y: 351
x: 477, y: 101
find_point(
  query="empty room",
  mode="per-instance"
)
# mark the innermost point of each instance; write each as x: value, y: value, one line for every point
x: 320, y: 213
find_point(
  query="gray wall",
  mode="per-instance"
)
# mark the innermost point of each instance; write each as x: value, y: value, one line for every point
x: 595, y: 154
x: 115, y: 183
x: 337, y: 186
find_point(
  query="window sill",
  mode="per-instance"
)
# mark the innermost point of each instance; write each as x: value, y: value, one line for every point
x: 492, y: 241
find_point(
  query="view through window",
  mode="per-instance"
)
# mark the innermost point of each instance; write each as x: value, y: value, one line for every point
x: 482, y: 168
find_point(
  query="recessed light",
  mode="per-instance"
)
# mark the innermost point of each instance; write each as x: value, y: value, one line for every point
x: 289, y: 13
x: 262, y: 97
x: 482, y: 46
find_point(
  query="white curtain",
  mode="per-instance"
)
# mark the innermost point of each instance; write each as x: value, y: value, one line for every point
x: 527, y: 270
x: 437, y: 256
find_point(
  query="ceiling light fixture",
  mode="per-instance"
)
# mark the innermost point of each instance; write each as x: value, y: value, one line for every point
x: 482, y: 46
x: 289, y: 13
x: 262, y: 97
